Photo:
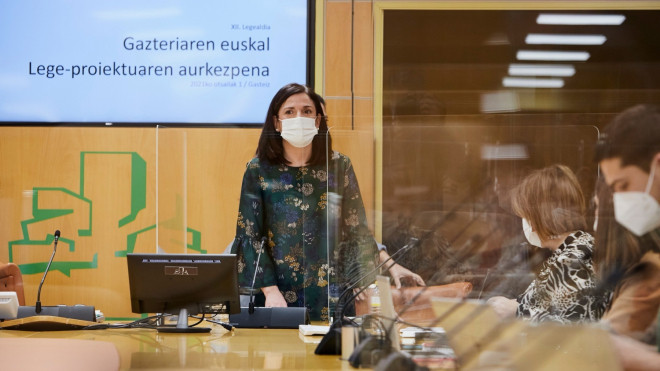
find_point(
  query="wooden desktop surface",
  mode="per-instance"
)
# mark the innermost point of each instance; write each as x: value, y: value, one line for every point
x: 256, y: 349
x: 480, y: 342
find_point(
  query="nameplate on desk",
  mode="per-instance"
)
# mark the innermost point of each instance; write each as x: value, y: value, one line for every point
x: 263, y: 317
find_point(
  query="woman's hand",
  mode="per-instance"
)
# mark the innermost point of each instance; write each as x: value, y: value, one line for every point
x: 504, y: 307
x: 398, y: 272
x: 359, y: 294
x: 274, y: 297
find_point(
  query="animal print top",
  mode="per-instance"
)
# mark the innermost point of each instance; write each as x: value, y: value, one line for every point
x: 564, y: 289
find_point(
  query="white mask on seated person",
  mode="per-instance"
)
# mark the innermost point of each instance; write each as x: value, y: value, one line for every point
x: 531, y: 236
x: 639, y: 212
x: 299, y: 131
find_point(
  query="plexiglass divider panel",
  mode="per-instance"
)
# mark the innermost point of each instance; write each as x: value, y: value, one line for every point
x: 450, y: 187
x: 172, y: 233
x: 351, y: 243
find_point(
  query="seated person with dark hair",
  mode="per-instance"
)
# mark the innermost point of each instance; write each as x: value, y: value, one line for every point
x: 629, y: 158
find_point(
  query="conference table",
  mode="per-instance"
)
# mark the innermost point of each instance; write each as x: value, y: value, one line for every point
x: 256, y: 349
x: 479, y: 340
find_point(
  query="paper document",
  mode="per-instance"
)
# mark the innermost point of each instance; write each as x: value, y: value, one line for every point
x: 308, y: 330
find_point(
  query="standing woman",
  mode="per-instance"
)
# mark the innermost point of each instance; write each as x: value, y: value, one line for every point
x: 552, y: 207
x: 303, y: 199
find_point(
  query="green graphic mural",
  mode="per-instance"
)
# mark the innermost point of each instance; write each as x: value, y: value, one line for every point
x: 138, y: 202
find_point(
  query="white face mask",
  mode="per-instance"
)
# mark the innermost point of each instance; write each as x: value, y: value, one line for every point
x: 299, y: 131
x: 639, y: 212
x: 531, y: 236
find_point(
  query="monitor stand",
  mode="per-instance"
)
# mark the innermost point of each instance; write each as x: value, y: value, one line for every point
x: 182, y: 325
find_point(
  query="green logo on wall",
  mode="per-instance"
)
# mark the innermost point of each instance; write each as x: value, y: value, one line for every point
x: 138, y: 202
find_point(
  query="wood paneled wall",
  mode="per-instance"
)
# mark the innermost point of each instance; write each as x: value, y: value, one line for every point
x: 347, y: 85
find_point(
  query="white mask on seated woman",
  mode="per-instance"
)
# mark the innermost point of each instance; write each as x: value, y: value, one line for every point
x: 299, y: 131
x: 531, y: 236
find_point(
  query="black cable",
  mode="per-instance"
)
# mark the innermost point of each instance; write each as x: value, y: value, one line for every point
x: 415, y: 242
x: 200, y: 319
x: 139, y: 323
x: 226, y: 325
x: 439, y: 273
x: 145, y: 323
x: 341, y: 308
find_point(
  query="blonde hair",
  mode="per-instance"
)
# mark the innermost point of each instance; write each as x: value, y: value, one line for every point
x: 551, y: 200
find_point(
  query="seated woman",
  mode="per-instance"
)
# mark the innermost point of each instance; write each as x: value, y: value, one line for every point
x: 552, y: 208
x: 304, y: 200
x: 629, y: 266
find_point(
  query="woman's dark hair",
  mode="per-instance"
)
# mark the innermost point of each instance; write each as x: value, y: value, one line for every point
x: 633, y: 135
x: 616, y: 249
x: 270, y: 146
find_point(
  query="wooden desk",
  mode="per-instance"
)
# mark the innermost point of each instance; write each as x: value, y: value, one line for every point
x: 258, y: 349
x: 518, y: 345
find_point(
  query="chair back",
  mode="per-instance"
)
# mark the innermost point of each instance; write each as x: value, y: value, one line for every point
x: 12, y: 280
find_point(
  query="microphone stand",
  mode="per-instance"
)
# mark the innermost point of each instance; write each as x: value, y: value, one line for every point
x: 342, y: 308
x: 493, y: 333
x: 254, y: 278
x: 451, y: 258
x: 80, y: 312
x: 331, y: 342
x: 440, y: 274
x: 38, y: 304
x: 333, y: 337
x: 268, y: 317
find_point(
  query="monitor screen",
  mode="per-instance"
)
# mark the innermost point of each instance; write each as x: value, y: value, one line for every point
x: 199, y: 283
x: 202, y: 62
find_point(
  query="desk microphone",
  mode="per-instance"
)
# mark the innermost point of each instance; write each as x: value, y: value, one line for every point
x: 254, y: 278
x: 38, y: 305
x: 81, y: 312
x: 412, y: 242
x: 268, y: 317
x: 331, y: 341
x: 328, y: 345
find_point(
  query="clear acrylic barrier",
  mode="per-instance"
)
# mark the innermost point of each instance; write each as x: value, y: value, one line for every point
x: 172, y: 232
x: 446, y: 182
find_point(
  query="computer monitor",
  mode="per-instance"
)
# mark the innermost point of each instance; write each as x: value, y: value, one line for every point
x: 184, y: 284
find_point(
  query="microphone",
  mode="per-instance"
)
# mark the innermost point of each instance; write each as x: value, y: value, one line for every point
x: 387, y: 358
x: 331, y: 342
x: 267, y: 317
x: 80, y: 312
x: 254, y: 278
x: 38, y: 305
x: 495, y: 331
x: 412, y: 242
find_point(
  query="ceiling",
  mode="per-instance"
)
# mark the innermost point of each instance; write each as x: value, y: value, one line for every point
x: 457, y: 56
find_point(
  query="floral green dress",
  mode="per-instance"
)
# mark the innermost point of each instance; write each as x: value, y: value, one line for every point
x: 306, y: 214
